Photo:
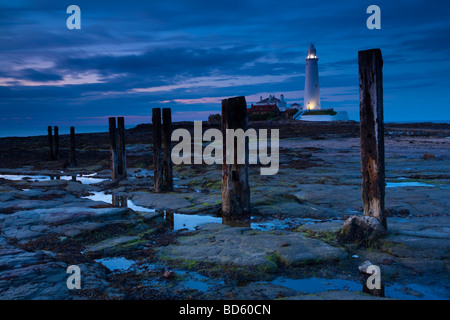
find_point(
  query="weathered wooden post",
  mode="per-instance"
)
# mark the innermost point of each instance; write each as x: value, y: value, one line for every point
x: 157, y: 155
x: 56, y: 155
x: 235, y: 186
x: 124, y: 201
x: 113, y: 148
x: 115, y: 200
x: 73, y: 159
x: 167, y: 143
x: 122, y: 169
x: 50, y: 142
x: 372, y: 133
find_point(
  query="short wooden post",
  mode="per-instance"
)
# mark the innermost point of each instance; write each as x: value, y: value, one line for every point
x: 122, y: 169
x: 235, y: 186
x: 157, y: 155
x: 124, y: 201
x: 56, y: 155
x: 73, y: 158
x: 113, y: 147
x: 167, y: 143
x: 50, y: 143
x: 372, y: 133
x: 115, y: 200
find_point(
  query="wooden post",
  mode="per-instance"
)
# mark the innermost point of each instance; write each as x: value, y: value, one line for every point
x: 235, y: 186
x: 157, y: 156
x: 122, y: 169
x: 372, y: 133
x: 115, y: 200
x: 73, y: 159
x: 167, y: 142
x: 169, y: 216
x: 113, y: 148
x: 124, y: 201
x: 56, y: 155
x: 50, y: 142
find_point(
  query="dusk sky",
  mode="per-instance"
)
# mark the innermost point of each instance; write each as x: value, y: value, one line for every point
x: 131, y: 56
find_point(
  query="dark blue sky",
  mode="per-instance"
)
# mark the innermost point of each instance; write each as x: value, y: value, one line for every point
x: 130, y: 56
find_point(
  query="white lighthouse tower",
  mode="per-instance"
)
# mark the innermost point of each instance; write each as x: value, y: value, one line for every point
x: 312, y: 94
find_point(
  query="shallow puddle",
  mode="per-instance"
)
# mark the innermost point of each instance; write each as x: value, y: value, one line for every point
x: 117, y: 201
x: 407, y: 184
x: 316, y: 285
x: 84, y: 179
x: 186, y: 279
x: 415, y: 292
x: 395, y: 291
x: 179, y: 221
x: 116, y: 264
x: 287, y: 223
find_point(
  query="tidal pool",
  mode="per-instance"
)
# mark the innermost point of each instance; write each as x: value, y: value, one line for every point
x: 407, y: 184
x: 395, y: 291
x: 186, y: 279
x: 180, y: 221
x: 116, y: 263
x: 110, y: 198
x: 84, y: 179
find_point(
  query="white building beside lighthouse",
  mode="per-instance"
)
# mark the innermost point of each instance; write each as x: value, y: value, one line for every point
x: 312, y: 92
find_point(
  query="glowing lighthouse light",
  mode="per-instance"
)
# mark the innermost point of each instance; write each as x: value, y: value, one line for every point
x: 312, y: 92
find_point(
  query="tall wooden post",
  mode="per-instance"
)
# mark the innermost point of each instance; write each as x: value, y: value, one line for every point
x: 114, y: 150
x: 122, y: 169
x: 73, y: 159
x: 56, y: 155
x: 157, y: 155
x: 167, y: 143
x: 235, y: 186
x: 372, y: 133
x: 50, y: 143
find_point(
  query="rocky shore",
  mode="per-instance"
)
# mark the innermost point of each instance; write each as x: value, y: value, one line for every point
x: 131, y: 243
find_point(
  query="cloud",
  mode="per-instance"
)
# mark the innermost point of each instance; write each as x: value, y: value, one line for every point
x: 217, y: 82
x: 190, y: 54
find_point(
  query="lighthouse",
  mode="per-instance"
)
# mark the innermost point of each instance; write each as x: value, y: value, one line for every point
x: 312, y: 94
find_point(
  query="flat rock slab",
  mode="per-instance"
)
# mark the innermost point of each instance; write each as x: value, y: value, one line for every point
x: 162, y: 201
x: 323, y: 227
x: 37, y: 275
x: 26, y: 226
x: 244, y: 247
x: 423, y: 227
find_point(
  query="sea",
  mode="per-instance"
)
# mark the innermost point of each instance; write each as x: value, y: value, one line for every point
x: 27, y: 131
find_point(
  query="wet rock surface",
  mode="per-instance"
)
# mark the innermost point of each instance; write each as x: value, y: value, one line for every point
x: 361, y: 230
x: 289, y: 249
x: 244, y: 247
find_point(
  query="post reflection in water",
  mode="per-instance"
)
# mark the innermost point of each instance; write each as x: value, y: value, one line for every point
x: 119, y: 200
x: 243, y: 221
x: 179, y: 221
x: 373, y: 292
x: 169, y: 217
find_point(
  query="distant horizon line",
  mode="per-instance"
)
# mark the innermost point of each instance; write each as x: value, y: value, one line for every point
x: 36, y: 131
